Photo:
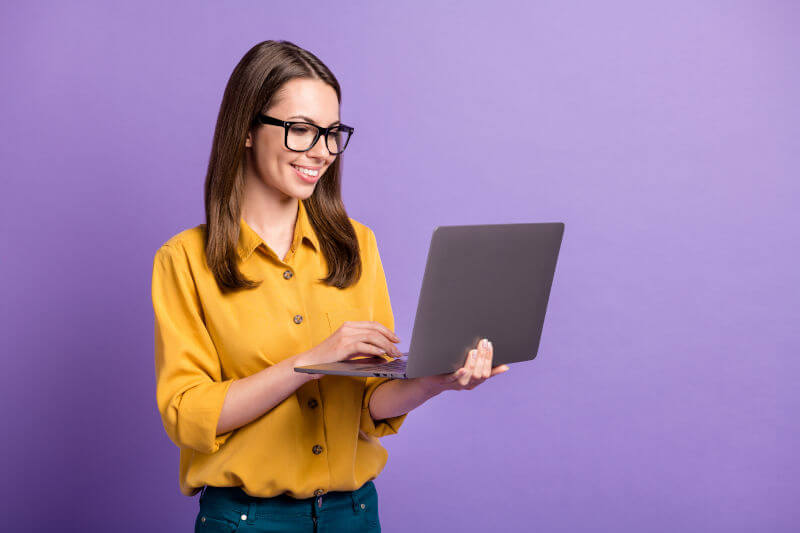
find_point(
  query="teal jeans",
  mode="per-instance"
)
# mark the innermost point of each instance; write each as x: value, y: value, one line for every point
x: 231, y: 509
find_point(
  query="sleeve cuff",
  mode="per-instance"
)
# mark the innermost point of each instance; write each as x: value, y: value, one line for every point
x: 378, y: 428
x: 199, y: 409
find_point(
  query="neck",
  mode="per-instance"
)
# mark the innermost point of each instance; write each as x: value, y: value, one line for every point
x: 267, y: 210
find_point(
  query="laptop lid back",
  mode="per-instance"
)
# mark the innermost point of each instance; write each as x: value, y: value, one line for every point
x: 489, y: 281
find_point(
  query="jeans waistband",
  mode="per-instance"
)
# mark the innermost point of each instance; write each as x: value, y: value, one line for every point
x: 236, y: 498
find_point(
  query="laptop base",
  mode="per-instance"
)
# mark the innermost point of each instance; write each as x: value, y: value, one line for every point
x: 371, y: 366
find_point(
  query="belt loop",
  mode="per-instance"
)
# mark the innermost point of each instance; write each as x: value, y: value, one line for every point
x: 251, y: 512
x: 356, y: 501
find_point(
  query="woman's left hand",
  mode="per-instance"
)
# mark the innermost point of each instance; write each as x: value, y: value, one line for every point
x: 477, y: 369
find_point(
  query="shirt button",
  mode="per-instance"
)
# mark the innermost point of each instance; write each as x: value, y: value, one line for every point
x: 287, y: 274
x: 319, y: 492
x: 317, y: 449
x: 298, y: 319
x: 312, y: 403
x: 244, y: 517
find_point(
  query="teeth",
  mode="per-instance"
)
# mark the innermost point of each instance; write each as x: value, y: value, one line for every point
x: 312, y: 173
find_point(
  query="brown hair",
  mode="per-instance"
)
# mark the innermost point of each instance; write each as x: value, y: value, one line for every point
x: 263, y: 70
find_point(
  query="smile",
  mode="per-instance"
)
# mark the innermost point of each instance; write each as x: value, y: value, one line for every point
x: 309, y: 176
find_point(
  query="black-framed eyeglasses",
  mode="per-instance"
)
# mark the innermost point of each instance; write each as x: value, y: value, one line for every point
x: 302, y: 136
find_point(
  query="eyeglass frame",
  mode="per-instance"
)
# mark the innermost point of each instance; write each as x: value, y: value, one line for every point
x: 266, y: 119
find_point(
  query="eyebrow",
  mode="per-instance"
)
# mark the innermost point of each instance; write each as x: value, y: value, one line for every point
x: 307, y: 119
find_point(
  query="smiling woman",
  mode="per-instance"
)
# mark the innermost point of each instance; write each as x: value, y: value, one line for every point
x: 240, y: 300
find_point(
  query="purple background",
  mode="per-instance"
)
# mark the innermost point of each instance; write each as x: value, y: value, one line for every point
x: 664, y: 397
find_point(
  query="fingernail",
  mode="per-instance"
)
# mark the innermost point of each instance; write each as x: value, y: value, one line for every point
x: 491, y: 345
x: 473, y: 354
x: 484, y: 343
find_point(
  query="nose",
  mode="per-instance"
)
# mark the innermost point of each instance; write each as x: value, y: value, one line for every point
x: 319, y: 150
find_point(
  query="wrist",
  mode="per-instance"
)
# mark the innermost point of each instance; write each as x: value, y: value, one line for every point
x: 428, y: 387
x: 301, y: 359
x: 304, y: 358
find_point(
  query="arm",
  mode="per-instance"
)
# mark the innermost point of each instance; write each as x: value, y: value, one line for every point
x: 250, y: 397
x: 397, y: 396
x: 200, y: 410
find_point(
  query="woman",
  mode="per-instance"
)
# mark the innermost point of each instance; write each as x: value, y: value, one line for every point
x: 279, y: 276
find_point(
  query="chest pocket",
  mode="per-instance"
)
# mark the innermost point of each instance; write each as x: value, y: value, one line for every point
x: 342, y: 387
x: 337, y: 317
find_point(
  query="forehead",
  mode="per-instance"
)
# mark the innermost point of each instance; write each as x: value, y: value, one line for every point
x: 312, y: 98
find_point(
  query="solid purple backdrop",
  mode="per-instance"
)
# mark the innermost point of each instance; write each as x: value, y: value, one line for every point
x: 664, y: 397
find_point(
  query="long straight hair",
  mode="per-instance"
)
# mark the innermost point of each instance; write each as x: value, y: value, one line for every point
x: 263, y: 70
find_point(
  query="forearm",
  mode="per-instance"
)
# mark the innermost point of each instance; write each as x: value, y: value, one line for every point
x: 398, y: 396
x: 250, y: 397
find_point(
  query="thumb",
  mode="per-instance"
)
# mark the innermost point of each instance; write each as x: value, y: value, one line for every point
x: 454, y: 376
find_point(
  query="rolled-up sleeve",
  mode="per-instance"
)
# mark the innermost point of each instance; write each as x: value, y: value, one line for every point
x: 382, y: 313
x: 190, y: 391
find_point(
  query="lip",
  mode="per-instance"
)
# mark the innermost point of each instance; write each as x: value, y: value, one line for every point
x: 307, y: 179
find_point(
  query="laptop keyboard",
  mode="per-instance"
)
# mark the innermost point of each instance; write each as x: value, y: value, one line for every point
x: 391, y: 366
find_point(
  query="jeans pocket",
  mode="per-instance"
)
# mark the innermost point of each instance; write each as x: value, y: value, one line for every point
x: 214, y: 519
x: 369, y: 501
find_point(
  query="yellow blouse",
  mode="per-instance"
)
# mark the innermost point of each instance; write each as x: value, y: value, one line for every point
x: 319, y: 439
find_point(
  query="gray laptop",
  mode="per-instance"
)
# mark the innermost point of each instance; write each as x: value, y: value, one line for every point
x: 489, y: 281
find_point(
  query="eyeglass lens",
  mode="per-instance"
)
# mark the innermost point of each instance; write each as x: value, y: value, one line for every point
x: 301, y: 136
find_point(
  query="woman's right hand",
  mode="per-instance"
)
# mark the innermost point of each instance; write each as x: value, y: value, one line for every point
x: 352, y: 339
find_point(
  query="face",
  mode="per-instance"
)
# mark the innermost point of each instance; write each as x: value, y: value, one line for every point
x: 270, y: 162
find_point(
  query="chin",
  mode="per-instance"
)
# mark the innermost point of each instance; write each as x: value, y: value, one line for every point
x: 302, y: 193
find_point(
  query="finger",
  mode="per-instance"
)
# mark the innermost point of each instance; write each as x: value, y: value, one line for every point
x: 454, y: 376
x: 477, y: 375
x: 375, y: 326
x: 369, y: 335
x: 499, y: 370
x: 389, y: 334
x: 358, y: 347
x: 462, y: 372
x: 477, y: 372
x: 477, y: 378
x: 469, y: 368
x: 378, y: 339
x: 487, y: 369
x: 486, y: 361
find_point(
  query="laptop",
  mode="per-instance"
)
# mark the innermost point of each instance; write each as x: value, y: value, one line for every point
x: 481, y: 281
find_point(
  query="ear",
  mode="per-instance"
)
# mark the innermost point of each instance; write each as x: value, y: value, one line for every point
x: 248, y: 142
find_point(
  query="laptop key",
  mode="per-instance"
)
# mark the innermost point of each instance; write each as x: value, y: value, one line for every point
x: 390, y: 366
